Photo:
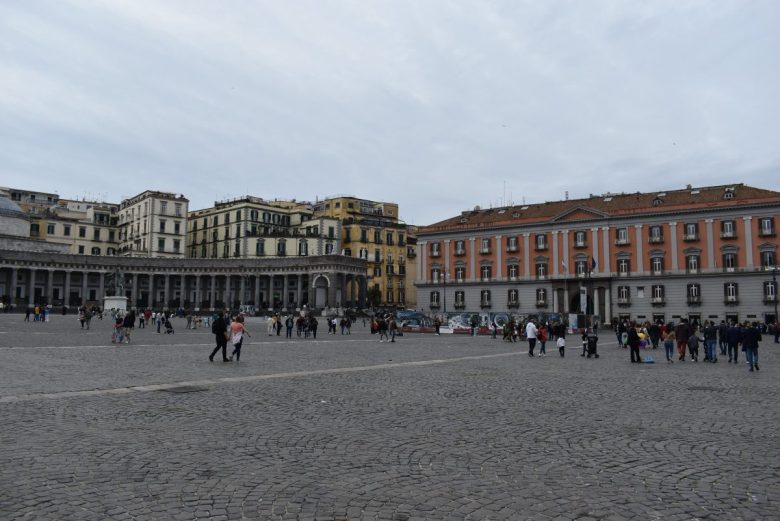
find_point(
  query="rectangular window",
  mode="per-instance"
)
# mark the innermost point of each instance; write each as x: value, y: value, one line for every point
x: 729, y: 262
x: 511, y: 244
x: 460, y: 248
x: 657, y: 265
x: 581, y: 268
x: 512, y: 298
x: 82, y: 231
x: 728, y: 230
x: 460, y: 273
x: 624, y: 294
x: 770, y: 291
x: 486, y: 273
x: 435, y: 249
x: 460, y: 299
x: 66, y: 230
x: 580, y: 239
x: 624, y: 267
x: 331, y: 232
x: 541, y: 241
x: 111, y: 235
x: 658, y: 294
x: 691, y: 232
x: 541, y: 270
x: 513, y: 271
x: 177, y: 209
x: 484, y: 298
x: 485, y: 246
x: 176, y: 245
x: 163, y: 207
x: 694, y: 293
x: 541, y: 296
x: 162, y: 226
x: 176, y: 227
x: 434, y: 299
x: 656, y: 234
x: 435, y: 275
x: 768, y: 259
x: 363, y: 235
x: 160, y: 244
x: 730, y: 291
x: 50, y: 229
x: 692, y: 263
x: 766, y: 227
x: 389, y: 238
x: 96, y: 234
x: 622, y: 236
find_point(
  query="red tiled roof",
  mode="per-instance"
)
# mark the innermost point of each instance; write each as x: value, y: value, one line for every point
x: 607, y: 206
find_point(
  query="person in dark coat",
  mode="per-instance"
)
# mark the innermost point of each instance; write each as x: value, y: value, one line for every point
x: 733, y: 338
x: 682, y: 332
x: 633, y: 344
x: 219, y: 328
x: 751, y: 336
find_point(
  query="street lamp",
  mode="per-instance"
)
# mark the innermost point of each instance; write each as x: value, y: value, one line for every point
x: 444, y: 284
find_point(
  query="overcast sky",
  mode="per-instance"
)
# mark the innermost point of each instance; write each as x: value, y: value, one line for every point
x: 436, y: 105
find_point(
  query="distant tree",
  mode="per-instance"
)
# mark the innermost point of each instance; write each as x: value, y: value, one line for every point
x: 374, y: 296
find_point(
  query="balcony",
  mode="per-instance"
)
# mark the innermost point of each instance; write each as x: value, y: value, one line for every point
x: 513, y: 304
x: 728, y: 235
x: 658, y: 301
x: 511, y: 249
x: 435, y: 305
x: 622, y: 242
x: 460, y: 252
x: 460, y: 305
x: 541, y: 247
x: 694, y: 300
x: 435, y: 253
x: 688, y: 237
x: 484, y: 251
x: 731, y: 300
x: 770, y: 299
x: 541, y: 303
x: 580, y: 244
x: 411, y: 254
x: 764, y: 232
x: 485, y: 279
x: 655, y: 239
x: 484, y: 304
x: 623, y: 301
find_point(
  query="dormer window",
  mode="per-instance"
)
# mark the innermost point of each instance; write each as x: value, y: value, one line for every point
x: 728, y: 195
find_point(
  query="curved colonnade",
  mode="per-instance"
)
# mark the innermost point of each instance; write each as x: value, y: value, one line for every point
x: 29, y: 278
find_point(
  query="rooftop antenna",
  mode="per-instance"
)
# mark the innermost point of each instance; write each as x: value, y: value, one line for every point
x: 567, y: 195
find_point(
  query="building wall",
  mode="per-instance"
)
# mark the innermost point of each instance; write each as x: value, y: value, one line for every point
x: 153, y: 224
x: 755, y: 250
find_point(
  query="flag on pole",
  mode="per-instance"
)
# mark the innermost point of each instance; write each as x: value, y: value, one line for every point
x: 565, y: 267
x: 593, y: 264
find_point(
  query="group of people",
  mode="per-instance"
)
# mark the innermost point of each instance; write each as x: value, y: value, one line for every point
x: 730, y: 339
x: 386, y: 327
x: 227, y: 328
x: 38, y: 312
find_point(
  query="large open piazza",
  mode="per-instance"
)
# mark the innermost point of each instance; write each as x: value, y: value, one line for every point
x: 346, y: 427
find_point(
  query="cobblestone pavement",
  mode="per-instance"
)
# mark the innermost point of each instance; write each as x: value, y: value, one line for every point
x: 346, y: 427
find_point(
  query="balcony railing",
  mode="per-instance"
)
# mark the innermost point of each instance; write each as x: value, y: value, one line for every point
x: 460, y: 305
x: 622, y: 241
x: 770, y: 299
x: 460, y: 252
x: 541, y: 247
x: 484, y: 251
x: 484, y: 304
x: 728, y: 235
x: 435, y: 254
x: 513, y: 304
x: 541, y: 303
x: 658, y: 301
x: 511, y: 249
x: 731, y: 300
x: 624, y: 301
x: 655, y: 239
x: 764, y: 232
x: 694, y: 300
x: 435, y: 305
x: 580, y: 244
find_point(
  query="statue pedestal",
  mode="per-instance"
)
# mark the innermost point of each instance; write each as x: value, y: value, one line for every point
x: 116, y: 302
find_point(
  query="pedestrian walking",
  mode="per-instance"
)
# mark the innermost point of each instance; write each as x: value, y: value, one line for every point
x: 751, y: 336
x: 530, y: 333
x: 288, y: 324
x: 633, y: 344
x: 219, y: 329
x: 542, y: 336
x: 669, y: 346
x: 237, y: 332
x: 561, y: 343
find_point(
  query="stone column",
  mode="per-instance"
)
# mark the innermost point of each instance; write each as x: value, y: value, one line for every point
x: 182, y: 290
x: 499, y: 253
x: 270, y: 296
x: 555, y: 259
x: 673, y: 244
x: 446, y: 262
x: 607, y: 305
x: 284, y: 290
x: 258, y: 304
x: 213, y: 294
x: 151, y: 290
x: 242, y: 289
x: 605, y: 235
x: 333, y: 278
x: 197, y: 290
x: 300, y: 290
x: 12, y: 289
x: 527, y: 255
x: 748, y: 241
x: 710, y: 245
x: 102, y: 290
x: 472, y: 259
x: 49, y: 286
x: 566, y: 259
x: 134, y: 291
x: 31, y: 288
x: 167, y: 289
x: 596, y: 302
x: 640, y: 254
x: 66, y: 289
x: 84, y: 283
